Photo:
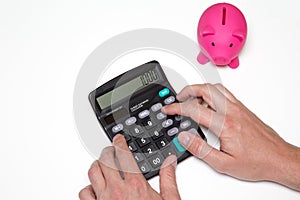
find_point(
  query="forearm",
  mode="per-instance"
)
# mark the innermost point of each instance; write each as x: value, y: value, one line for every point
x: 287, y: 167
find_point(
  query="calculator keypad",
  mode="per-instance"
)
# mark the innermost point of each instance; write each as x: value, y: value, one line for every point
x: 152, y: 135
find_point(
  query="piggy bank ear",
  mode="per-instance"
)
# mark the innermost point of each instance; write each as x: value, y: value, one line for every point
x: 208, y: 30
x: 239, y: 35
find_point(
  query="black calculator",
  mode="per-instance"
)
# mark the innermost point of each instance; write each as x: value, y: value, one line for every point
x: 131, y: 103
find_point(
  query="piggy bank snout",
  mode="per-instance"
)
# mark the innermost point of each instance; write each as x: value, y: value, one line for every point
x: 220, y: 60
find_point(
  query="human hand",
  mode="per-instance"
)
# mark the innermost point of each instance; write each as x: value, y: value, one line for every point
x: 249, y: 149
x: 108, y: 184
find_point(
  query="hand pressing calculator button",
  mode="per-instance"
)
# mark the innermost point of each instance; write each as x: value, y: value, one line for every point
x: 130, y: 104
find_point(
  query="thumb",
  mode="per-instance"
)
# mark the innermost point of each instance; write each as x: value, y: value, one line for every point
x: 168, y: 185
x: 199, y: 148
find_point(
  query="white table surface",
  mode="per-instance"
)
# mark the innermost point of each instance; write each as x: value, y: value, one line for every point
x: 43, y: 45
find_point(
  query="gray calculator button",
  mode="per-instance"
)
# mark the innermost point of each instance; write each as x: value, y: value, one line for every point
x: 138, y: 157
x: 117, y: 128
x: 160, y: 116
x: 136, y: 130
x: 167, y: 123
x: 169, y: 100
x: 144, y: 167
x: 178, y: 118
x: 185, y: 124
x: 193, y: 131
x: 172, y: 131
x: 143, y: 114
x: 130, y: 121
x: 156, y: 107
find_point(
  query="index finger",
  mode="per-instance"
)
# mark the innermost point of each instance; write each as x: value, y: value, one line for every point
x: 192, y: 109
x: 210, y: 94
x: 127, y: 162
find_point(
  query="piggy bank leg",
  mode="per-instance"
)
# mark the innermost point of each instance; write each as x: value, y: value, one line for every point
x: 234, y: 63
x: 202, y: 59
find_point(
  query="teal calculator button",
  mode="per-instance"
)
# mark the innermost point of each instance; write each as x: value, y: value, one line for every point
x: 164, y: 92
x: 178, y: 146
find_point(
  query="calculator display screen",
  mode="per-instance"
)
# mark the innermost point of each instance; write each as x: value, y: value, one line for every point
x: 125, y: 90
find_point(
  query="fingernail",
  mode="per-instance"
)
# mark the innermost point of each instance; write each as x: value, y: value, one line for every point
x: 163, y: 109
x: 184, y: 139
x: 116, y: 137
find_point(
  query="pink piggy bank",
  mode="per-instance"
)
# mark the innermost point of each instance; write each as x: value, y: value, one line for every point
x: 222, y: 32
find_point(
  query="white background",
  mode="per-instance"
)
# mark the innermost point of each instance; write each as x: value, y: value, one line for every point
x: 43, y: 45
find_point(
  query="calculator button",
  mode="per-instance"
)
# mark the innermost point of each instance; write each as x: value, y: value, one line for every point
x: 130, y: 121
x: 161, y: 116
x: 149, y: 124
x: 169, y: 151
x: 126, y: 135
x: 117, y: 128
x: 167, y: 123
x: 164, y: 92
x: 144, y: 167
x: 142, y: 141
x: 150, y: 150
x: 156, y: 134
x: 178, y: 118
x: 185, y: 124
x: 138, y: 157
x: 136, y: 130
x: 156, y: 160
x: 172, y: 131
x: 193, y: 131
x: 156, y: 107
x: 143, y: 114
x: 178, y: 146
x: 132, y: 146
x: 162, y: 143
x: 169, y: 100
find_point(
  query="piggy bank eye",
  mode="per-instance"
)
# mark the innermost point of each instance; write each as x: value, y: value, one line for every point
x: 213, y: 44
x: 230, y: 45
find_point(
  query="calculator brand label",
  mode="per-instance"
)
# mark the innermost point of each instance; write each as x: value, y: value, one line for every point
x: 139, y: 105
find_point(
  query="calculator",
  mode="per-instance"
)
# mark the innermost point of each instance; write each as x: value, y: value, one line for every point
x: 130, y: 104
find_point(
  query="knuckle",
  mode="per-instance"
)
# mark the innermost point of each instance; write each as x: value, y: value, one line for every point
x: 136, y: 184
x: 108, y: 149
x: 228, y: 123
x: 222, y: 167
x: 83, y: 193
x: 106, y: 152
x: 115, y: 193
x: 118, y: 193
x: 93, y: 171
x: 196, y: 147
x: 218, y: 85
x: 231, y: 124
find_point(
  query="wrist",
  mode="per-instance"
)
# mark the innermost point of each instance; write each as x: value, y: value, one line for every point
x: 285, y: 167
